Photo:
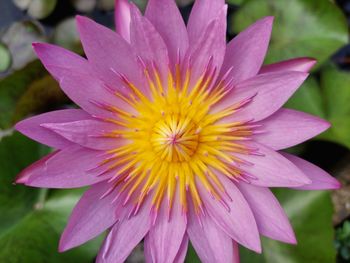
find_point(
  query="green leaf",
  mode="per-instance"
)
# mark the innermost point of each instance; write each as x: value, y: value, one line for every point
x: 310, y: 213
x: 308, y: 98
x: 16, y: 152
x: 13, y: 87
x: 235, y: 2
x: 336, y: 89
x: 30, y: 220
x: 312, y: 28
x: 329, y: 99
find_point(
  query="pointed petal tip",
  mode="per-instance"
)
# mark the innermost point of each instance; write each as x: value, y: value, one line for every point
x: 267, y: 20
x: 81, y: 20
x: 257, y: 248
x: 337, y: 185
x: 333, y: 184
x: 310, y: 62
x: 65, y: 242
x: 325, y: 124
x: 18, y: 126
x: 289, y: 237
x: 21, y: 178
x: 62, y: 246
x: 36, y: 44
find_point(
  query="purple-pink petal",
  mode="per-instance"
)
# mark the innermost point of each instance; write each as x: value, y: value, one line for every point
x: 209, y: 48
x: 210, y: 242
x: 235, y: 217
x: 148, y: 43
x: 109, y: 54
x: 77, y: 79
x: 166, y: 18
x: 24, y: 175
x: 270, y: 91
x: 271, y: 169
x: 166, y: 235
x: 124, y: 236
x: 320, y: 179
x: 297, y: 125
x: 296, y: 64
x: 89, y: 133
x: 203, y: 12
x: 122, y: 18
x: 181, y: 254
x: 65, y: 169
x: 90, y: 217
x: 246, y: 52
x: 270, y: 217
x: 31, y: 127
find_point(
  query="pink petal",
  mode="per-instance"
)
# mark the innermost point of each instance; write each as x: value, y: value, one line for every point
x: 77, y: 79
x: 124, y: 236
x: 122, y: 18
x: 202, y: 13
x: 31, y: 127
x: 90, y: 217
x: 88, y: 133
x: 271, y: 91
x: 66, y: 169
x: 235, y: 218
x: 181, y: 254
x: 271, y: 169
x: 147, y: 42
x: 246, y: 52
x: 209, y: 48
x: 109, y: 53
x: 58, y: 61
x: 210, y: 242
x: 298, y: 125
x: 166, y: 18
x: 166, y: 236
x: 321, y: 180
x: 270, y: 217
x: 24, y: 175
x: 296, y: 64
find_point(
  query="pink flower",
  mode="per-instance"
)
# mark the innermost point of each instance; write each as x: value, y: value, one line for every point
x: 178, y: 135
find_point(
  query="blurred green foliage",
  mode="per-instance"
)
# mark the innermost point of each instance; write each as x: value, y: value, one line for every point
x: 342, y: 242
x: 302, y: 28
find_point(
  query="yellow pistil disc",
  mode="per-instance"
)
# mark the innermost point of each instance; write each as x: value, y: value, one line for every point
x: 174, y: 141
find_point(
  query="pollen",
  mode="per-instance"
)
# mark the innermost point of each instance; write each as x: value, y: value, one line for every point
x: 175, y: 141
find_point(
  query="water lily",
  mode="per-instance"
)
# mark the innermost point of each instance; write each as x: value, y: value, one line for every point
x: 178, y: 134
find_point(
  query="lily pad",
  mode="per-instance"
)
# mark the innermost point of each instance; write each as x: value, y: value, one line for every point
x: 13, y: 87
x: 19, y: 38
x: 5, y: 58
x: 336, y: 90
x: 22, y: 4
x: 106, y: 5
x: 66, y: 35
x: 313, y: 28
x: 84, y: 6
x: 38, y: 9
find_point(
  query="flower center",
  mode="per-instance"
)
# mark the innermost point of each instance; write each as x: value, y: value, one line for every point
x: 173, y: 141
x: 175, y: 138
